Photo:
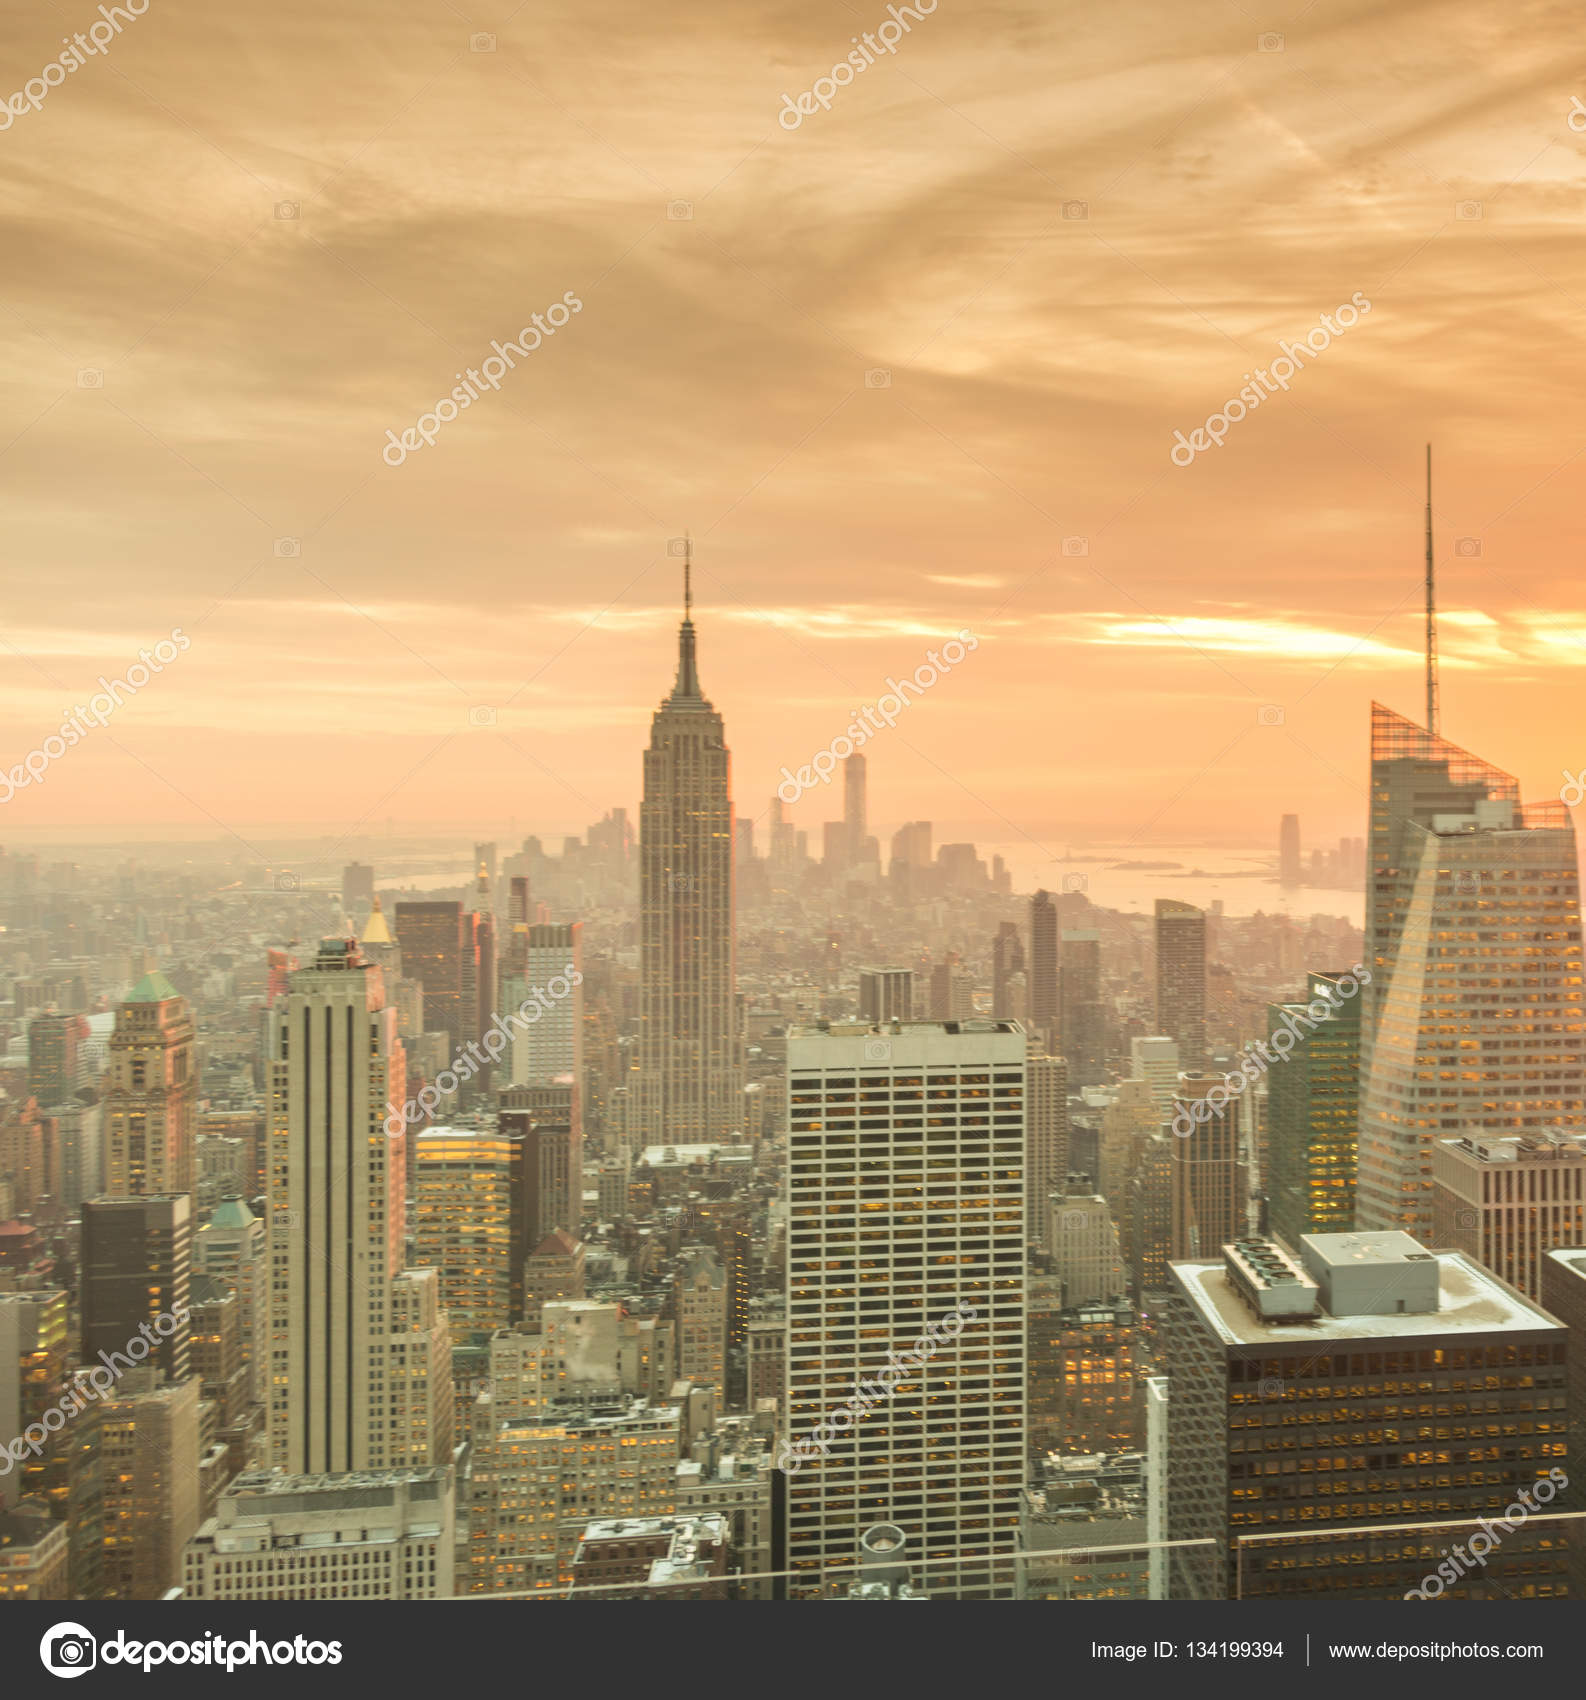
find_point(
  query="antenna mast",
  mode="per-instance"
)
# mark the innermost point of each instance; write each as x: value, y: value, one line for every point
x: 1431, y: 609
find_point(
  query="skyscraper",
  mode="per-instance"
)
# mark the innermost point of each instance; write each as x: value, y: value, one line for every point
x: 1181, y: 978
x: 1007, y: 960
x: 1043, y: 967
x: 1289, y: 851
x: 1474, y: 1015
x: 899, y: 1220
x: 1083, y: 1015
x: 435, y: 939
x: 1313, y: 1110
x: 689, y: 1084
x: 350, y: 1355
x: 136, y: 1273
x: 1210, y: 1187
x: 854, y: 827
x: 1046, y: 1140
x: 149, y: 1102
x: 886, y: 994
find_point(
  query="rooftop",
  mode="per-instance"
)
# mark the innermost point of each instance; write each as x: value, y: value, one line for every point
x: 1470, y: 1301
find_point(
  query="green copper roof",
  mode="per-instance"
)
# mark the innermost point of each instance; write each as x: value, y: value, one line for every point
x: 231, y: 1213
x: 152, y: 988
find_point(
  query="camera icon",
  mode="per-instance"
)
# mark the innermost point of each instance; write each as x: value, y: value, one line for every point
x: 481, y: 44
x: 1076, y: 209
x: 1270, y: 1387
x: 677, y: 546
x: 1270, y: 715
x: 1467, y: 882
x: 1576, y: 110
x: 68, y: 1650
x: 879, y: 378
x: 285, y: 881
x: 287, y: 209
x: 1573, y: 790
x: 1075, y: 882
x: 1076, y: 545
x: 878, y: 1050
x: 1270, y: 42
x: 288, y: 548
x: 90, y: 378
x: 680, y: 210
x: 680, y: 882
x: 1469, y: 546
x: 1466, y: 1219
x: 1468, y: 209
x: 482, y: 715
x: 287, y: 1218
x: 1071, y: 1221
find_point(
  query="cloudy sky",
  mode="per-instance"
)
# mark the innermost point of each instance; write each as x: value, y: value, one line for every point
x: 912, y: 366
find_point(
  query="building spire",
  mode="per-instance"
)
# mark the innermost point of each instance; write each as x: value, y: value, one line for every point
x: 1431, y: 609
x: 687, y: 686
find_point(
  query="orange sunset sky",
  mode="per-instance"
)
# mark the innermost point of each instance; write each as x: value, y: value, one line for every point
x: 453, y: 169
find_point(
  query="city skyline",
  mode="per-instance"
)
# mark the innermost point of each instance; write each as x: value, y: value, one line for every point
x: 935, y: 428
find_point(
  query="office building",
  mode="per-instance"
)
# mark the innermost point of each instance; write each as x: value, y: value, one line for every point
x: 33, y: 1358
x: 1007, y: 971
x: 55, y: 1059
x: 690, y: 1069
x: 1338, y: 1423
x: 137, y: 1256
x: 1155, y: 1060
x: 34, y: 1558
x: 470, y: 1223
x: 1083, y: 1238
x: 1474, y: 1011
x: 652, y: 1558
x: 1313, y: 1111
x: 1045, y: 1140
x: 1508, y: 1202
x: 701, y: 1300
x: 361, y: 1535
x: 1085, y: 1367
x: 343, y: 1339
x: 886, y: 994
x: 537, y: 1482
x: 1044, y: 966
x: 1209, y: 1180
x: 905, y: 1150
x: 149, y: 1098
x: 1181, y: 978
x: 1083, y: 1023
x: 232, y: 1248
x: 150, y: 1509
x: 439, y: 951
x: 541, y: 1118
x: 357, y: 890
x: 1289, y: 851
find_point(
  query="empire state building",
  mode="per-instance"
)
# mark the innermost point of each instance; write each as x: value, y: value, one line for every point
x: 689, y: 1086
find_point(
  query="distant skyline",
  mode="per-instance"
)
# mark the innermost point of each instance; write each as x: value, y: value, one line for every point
x: 914, y: 366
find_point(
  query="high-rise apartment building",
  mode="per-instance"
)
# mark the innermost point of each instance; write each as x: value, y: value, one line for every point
x: 690, y: 1071
x: 137, y: 1258
x: 1475, y: 1012
x: 907, y: 1208
x: 343, y: 1341
x: 1509, y: 1202
x: 1181, y: 978
x: 1313, y: 1112
x: 1301, y: 1393
x: 150, y: 1093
